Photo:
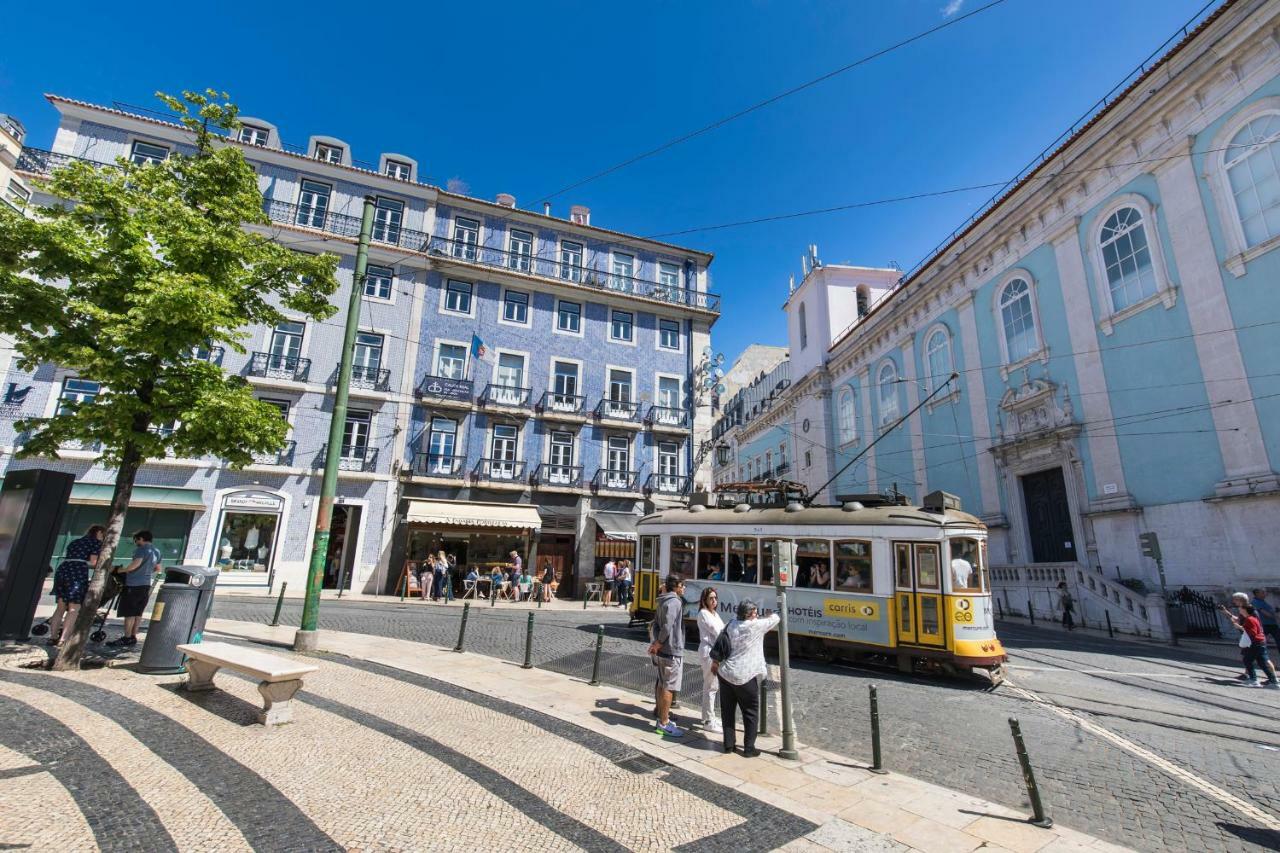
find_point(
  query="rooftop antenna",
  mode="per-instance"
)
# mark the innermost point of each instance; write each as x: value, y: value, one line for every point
x: 804, y: 265
x: 791, y: 284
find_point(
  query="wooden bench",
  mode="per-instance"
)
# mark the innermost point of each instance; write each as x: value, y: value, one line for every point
x: 279, y: 679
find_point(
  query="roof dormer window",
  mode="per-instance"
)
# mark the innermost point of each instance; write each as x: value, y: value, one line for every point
x: 398, y: 170
x: 329, y: 153
x: 252, y: 134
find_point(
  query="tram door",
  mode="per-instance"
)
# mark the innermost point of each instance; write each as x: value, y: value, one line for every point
x: 918, y: 579
x: 644, y: 599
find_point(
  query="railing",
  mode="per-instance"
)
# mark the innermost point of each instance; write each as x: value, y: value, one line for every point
x: 499, y: 471
x: 561, y: 404
x: 445, y: 388
x: 667, y: 484
x: 511, y: 396
x: 565, y: 476
x: 617, y: 410
x: 610, y: 480
x: 439, y: 465
x: 37, y: 161
x: 553, y: 268
x: 342, y: 225
x: 1193, y: 614
x: 283, y: 456
x: 271, y: 366
x: 665, y: 416
x: 351, y: 457
x: 367, y: 378
x: 781, y: 469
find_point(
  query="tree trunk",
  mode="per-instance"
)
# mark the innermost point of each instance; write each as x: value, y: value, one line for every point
x: 69, y: 654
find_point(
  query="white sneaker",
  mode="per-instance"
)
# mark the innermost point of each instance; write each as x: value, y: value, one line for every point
x: 713, y: 727
x: 1251, y: 682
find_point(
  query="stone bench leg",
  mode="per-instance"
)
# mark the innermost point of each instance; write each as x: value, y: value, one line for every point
x: 200, y: 674
x: 277, y: 697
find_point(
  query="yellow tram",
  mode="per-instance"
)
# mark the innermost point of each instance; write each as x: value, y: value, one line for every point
x: 873, y: 579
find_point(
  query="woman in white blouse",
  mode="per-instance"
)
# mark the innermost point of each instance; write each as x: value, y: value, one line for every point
x: 709, y: 627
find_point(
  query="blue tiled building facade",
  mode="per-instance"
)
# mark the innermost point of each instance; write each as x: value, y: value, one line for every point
x: 521, y: 381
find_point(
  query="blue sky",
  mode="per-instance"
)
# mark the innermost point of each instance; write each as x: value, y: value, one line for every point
x: 528, y: 98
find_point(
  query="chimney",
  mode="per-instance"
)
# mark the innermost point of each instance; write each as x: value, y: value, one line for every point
x: 546, y: 208
x: 864, y: 299
x: 580, y: 214
x: 506, y: 200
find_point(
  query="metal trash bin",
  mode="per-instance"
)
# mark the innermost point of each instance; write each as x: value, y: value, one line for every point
x: 178, y: 617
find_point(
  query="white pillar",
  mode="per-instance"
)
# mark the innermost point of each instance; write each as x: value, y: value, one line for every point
x: 975, y: 391
x: 908, y: 350
x: 868, y: 433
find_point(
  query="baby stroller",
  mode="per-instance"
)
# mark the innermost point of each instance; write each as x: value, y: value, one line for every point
x: 99, y: 632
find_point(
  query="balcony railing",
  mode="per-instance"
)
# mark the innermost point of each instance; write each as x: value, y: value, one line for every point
x: 667, y: 484
x: 618, y: 410
x: 439, y: 465
x: 561, y: 404
x: 367, y: 378
x: 499, y: 471
x: 445, y: 388
x: 271, y: 366
x: 553, y: 268
x: 342, y: 225
x: 565, y: 476
x: 665, y: 416
x: 781, y: 469
x: 351, y: 458
x: 510, y: 396
x: 610, y: 480
x: 37, y: 161
x: 283, y: 456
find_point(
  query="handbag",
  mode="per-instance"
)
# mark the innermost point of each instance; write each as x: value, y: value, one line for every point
x: 722, y: 647
x: 1245, y: 642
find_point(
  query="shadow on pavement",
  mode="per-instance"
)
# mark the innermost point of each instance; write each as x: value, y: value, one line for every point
x: 1268, y: 839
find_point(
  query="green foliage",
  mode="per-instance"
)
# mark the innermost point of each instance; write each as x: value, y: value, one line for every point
x: 143, y: 264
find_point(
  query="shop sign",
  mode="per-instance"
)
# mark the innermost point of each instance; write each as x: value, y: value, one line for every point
x: 259, y: 501
x: 448, y: 389
x: 810, y: 612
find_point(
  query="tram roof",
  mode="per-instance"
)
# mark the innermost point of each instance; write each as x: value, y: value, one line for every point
x: 815, y: 516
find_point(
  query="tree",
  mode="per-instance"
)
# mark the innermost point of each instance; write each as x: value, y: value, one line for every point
x: 123, y: 282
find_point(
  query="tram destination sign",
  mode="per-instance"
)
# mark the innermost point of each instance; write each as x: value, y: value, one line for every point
x: 811, y: 612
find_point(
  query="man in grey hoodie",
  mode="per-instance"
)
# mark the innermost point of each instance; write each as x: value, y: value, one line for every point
x: 667, y: 652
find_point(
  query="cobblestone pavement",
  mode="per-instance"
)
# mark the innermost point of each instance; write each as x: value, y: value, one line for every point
x: 1222, y: 741
x: 376, y: 759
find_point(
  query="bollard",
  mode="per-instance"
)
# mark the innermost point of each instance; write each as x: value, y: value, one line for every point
x: 404, y: 588
x: 1033, y: 792
x: 595, y: 663
x: 528, y: 644
x: 763, y: 727
x: 1031, y: 612
x: 275, y: 620
x: 1110, y: 631
x: 462, y: 629
x: 877, y: 765
x: 584, y: 601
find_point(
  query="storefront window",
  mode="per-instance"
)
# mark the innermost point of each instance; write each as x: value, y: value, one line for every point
x: 682, y: 556
x: 710, y: 558
x: 853, y: 566
x: 246, y: 541
x: 170, y: 527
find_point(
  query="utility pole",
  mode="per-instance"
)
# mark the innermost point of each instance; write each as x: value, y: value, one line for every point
x: 305, y: 639
x: 783, y: 563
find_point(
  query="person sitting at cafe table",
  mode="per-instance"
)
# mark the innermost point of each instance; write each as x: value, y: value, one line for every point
x: 526, y: 584
x: 495, y: 581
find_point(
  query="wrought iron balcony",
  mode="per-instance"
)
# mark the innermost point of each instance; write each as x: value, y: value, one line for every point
x: 553, y: 403
x: 427, y: 464
x: 665, y: 417
x: 271, y: 366
x: 38, y: 161
x: 563, y: 476
x: 781, y: 470
x: 558, y: 270
x: 357, y: 457
x: 618, y: 410
x: 508, y: 396
x: 367, y: 378
x: 446, y: 388
x: 610, y: 480
x: 283, y: 456
x: 342, y: 225
x: 499, y: 471
x: 667, y: 484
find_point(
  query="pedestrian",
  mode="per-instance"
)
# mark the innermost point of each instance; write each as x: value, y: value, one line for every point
x: 516, y: 563
x: 137, y: 587
x: 624, y: 584
x: 709, y: 627
x: 1253, y: 646
x: 71, y: 582
x: 739, y: 668
x: 439, y: 570
x: 1068, y: 605
x: 610, y: 573
x: 667, y: 652
x: 1267, y: 616
x: 548, y: 580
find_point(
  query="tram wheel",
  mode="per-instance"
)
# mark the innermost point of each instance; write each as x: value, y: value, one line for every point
x: 997, y: 675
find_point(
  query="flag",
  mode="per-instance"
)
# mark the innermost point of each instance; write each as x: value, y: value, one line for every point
x: 478, y: 349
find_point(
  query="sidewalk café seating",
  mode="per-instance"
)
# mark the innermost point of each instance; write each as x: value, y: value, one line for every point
x: 504, y: 591
x: 279, y: 679
x: 470, y: 589
x: 595, y: 590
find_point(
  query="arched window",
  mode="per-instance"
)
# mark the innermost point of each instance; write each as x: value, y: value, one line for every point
x: 804, y: 328
x: 1018, y: 320
x: 1254, y: 178
x: 845, y: 417
x: 937, y: 357
x: 1126, y: 257
x: 887, y: 385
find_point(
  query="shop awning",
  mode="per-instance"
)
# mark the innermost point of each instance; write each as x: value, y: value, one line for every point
x: 616, y: 525
x: 465, y: 514
x: 148, y: 497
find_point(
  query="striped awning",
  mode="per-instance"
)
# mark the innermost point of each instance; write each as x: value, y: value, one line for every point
x: 145, y: 497
x: 468, y: 514
x: 616, y: 525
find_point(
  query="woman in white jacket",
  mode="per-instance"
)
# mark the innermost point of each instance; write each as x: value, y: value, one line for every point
x: 709, y: 627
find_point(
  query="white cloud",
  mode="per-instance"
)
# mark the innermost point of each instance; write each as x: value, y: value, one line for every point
x: 952, y: 8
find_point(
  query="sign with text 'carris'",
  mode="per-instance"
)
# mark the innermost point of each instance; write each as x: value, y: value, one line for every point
x: 810, y: 612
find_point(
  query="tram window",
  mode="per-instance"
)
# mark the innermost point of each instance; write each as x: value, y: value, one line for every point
x: 648, y: 553
x: 853, y: 566
x: 766, y: 560
x: 927, y: 567
x: 742, y: 561
x: 682, y: 556
x: 813, y: 561
x: 966, y: 566
x: 710, y: 558
x: 902, y: 564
